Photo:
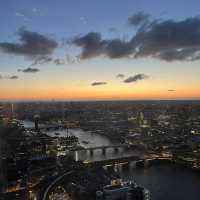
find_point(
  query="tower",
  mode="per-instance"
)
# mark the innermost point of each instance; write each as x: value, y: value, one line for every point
x: 36, y: 119
x: 12, y: 111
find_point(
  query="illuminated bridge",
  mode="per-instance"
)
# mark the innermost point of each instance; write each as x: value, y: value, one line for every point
x: 104, y: 148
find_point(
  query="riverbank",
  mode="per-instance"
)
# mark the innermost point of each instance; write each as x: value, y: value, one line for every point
x: 158, y: 161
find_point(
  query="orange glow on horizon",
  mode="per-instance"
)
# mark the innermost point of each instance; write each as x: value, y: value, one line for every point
x: 91, y: 94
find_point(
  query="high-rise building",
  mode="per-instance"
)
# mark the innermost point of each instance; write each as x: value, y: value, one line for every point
x: 36, y: 118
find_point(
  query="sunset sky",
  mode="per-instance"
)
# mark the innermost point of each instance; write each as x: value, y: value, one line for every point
x: 99, y: 49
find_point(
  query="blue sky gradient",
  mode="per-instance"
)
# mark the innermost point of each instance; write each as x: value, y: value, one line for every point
x: 62, y: 20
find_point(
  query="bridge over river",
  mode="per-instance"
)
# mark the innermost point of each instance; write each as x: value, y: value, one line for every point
x: 103, y: 148
x: 107, y: 152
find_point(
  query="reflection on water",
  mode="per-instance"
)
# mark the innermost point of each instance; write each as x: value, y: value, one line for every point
x: 27, y: 124
x: 166, y: 182
x: 88, y: 139
x: 30, y: 124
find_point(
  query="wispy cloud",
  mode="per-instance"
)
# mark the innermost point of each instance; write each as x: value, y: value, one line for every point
x: 13, y: 77
x: 9, y: 77
x: 83, y: 20
x: 29, y: 70
x: 19, y: 14
x: 42, y: 60
x: 120, y: 76
x: 171, y: 90
x: 98, y: 83
x: 38, y: 11
x: 59, y: 61
x: 23, y: 16
x: 113, y: 30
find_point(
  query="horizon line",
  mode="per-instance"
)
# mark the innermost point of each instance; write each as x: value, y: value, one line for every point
x: 91, y: 100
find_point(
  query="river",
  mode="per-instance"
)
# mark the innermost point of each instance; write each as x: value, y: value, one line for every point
x: 88, y: 140
x: 165, y: 181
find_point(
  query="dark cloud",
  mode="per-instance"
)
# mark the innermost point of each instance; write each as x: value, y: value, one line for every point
x: 29, y: 70
x: 117, y: 48
x: 140, y: 18
x: 98, y: 83
x: 167, y: 40
x: 91, y: 44
x: 170, y: 40
x: 135, y: 78
x: 120, y: 76
x: 31, y: 44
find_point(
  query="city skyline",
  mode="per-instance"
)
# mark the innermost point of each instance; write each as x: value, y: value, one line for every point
x: 99, y: 50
